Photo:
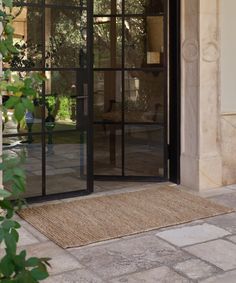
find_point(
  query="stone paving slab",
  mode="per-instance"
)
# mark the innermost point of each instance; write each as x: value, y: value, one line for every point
x: 26, y: 238
x: 232, y: 239
x: 158, y: 275
x: 146, y: 257
x: 129, y: 256
x: 227, y: 222
x: 228, y: 277
x: 196, y: 269
x: 226, y: 199
x: 75, y: 276
x: 191, y: 235
x: 61, y: 260
x: 34, y: 232
x: 231, y: 187
x: 220, y: 253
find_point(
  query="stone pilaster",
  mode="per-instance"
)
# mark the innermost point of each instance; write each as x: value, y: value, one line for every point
x: 201, y: 163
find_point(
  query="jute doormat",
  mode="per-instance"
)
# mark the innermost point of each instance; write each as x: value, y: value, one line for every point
x: 89, y: 220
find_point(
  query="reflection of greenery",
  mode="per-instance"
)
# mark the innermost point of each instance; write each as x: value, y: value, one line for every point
x: 66, y: 35
x: 64, y: 110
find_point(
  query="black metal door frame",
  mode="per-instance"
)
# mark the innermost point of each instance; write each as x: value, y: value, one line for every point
x: 174, y: 90
x: 173, y: 131
x: 172, y: 102
x: 88, y: 123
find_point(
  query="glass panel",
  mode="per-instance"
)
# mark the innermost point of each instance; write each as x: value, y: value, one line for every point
x: 144, y: 6
x: 107, y: 7
x: 107, y: 149
x: 144, y: 97
x: 144, y: 150
x: 32, y: 123
x: 65, y: 36
x: 63, y: 109
x: 66, y: 162
x: 32, y: 165
x: 107, y: 96
x: 144, y: 41
x: 28, y: 37
x: 135, y: 42
x: 107, y: 42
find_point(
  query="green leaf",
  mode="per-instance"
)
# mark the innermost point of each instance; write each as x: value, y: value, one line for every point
x: 9, y: 224
x: 12, y: 88
x: 28, y: 104
x: 6, y: 204
x: 24, y: 277
x: 32, y: 262
x: 19, y: 112
x: 4, y: 194
x: 28, y: 91
x: 15, y: 235
x: 3, y: 48
x: 39, y: 274
x: 7, y: 175
x: 1, y: 235
x: 9, y: 29
x: 10, y: 244
x: 11, y: 102
x: 19, y: 172
x: 19, y: 182
x: 6, y: 266
x: 8, y: 3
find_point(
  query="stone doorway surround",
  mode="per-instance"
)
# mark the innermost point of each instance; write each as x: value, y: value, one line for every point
x: 201, y: 161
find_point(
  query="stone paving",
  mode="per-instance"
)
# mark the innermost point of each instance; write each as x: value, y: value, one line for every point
x: 202, y: 251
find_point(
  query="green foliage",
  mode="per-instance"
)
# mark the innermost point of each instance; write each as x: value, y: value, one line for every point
x: 21, y: 89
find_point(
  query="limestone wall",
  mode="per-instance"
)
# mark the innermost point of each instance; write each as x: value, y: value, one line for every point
x: 228, y: 89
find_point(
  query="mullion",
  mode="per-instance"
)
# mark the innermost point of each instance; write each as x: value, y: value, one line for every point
x: 147, y: 69
x: 123, y: 88
x: 44, y: 186
x: 166, y: 126
x: 40, y: 5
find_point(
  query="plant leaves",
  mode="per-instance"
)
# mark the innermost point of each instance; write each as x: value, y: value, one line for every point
x: 4, y: 193
x: 19, y: 112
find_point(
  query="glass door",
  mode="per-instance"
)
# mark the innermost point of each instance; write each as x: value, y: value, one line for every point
x: 130, y: 89
x: 55, y: 38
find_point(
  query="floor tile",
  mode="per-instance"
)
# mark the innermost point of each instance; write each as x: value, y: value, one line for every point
x: 33, y: 231
x: 195, y: 269
x: 26, y: 238
x: 231, y: 187
x: 232, y: 238
x: 228, y: 277
x: 75, y: 276
x: 220, y: 253
x: 215, y: 192
x: 227, y: 222
x: 61, y: 260
x: 190, y: 235
x: 160, y: 275
x: 128, y: 256
x: 226, y: 199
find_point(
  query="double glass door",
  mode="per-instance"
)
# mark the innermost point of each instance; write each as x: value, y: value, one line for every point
x: 103, y: 108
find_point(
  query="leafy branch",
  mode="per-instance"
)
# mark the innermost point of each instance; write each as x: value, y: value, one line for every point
x: 21, y: 90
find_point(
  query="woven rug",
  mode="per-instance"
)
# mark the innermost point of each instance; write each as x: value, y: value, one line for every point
x: 88, y: 220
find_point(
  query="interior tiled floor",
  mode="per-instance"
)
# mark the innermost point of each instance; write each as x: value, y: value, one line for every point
x: 204, y: 251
